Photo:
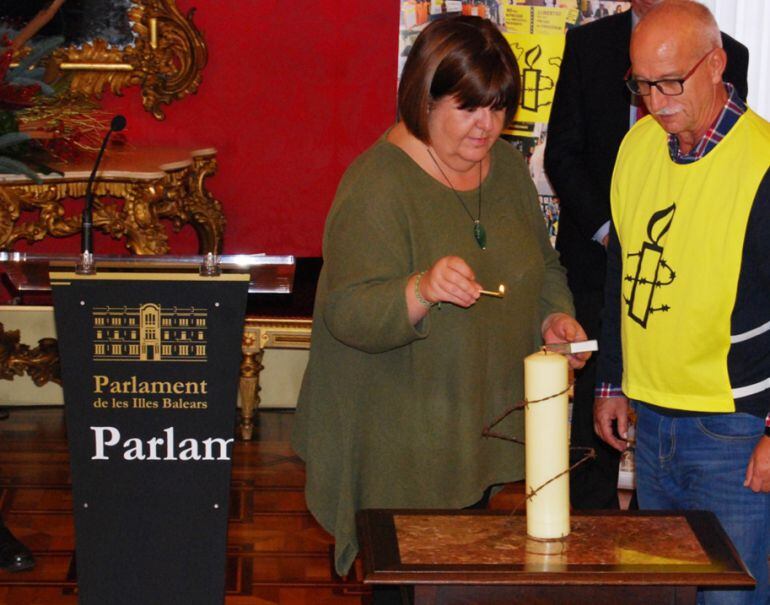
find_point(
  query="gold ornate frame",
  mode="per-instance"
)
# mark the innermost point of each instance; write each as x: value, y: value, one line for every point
x: 41, y: 364
x: 260, y: 333
x: 166, y: 59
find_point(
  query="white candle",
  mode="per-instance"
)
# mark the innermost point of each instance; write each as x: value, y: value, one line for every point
x: 547, y: 447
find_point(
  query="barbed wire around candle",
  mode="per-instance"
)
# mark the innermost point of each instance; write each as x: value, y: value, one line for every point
x: 590, y: 453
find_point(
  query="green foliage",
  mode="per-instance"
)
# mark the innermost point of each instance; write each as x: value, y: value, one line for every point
x: 12, y: 138
x: 11, y: 166
x: 40, y: 51
x: 8, y: 122
x: 18, y: 153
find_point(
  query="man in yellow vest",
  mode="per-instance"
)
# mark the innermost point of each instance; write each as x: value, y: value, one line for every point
x: 686, y: 330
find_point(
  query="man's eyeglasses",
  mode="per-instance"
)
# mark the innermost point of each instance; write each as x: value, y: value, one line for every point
x: 668, y: 87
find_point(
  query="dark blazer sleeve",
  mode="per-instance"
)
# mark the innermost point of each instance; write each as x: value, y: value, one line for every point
x: 610, y: 360
x: 565, y: 157
x: 737, y: 68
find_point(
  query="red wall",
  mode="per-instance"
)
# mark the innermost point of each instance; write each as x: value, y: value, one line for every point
x: 293, y: 91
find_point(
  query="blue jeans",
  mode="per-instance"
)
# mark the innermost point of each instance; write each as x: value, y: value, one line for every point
x: 699, y: 462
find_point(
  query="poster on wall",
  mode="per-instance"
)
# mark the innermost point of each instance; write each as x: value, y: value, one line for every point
x: 535, y: 29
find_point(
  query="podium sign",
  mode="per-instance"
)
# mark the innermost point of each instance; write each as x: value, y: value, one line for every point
x: 150, y: 367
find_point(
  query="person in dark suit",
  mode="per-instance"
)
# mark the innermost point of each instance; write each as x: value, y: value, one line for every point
x: 592, y: 111
x: 14, y: 556
x: 601, y: 12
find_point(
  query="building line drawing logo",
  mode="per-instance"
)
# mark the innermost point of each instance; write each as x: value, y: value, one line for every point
x: 150, y: 332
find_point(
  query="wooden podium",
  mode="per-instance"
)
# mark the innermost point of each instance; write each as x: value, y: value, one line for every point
x: 484, y: 557
x: 150, y: 349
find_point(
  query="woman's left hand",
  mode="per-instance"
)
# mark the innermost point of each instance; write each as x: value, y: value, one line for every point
x: 560, y: 327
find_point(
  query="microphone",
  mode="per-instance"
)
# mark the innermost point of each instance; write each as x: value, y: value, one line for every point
x: 86, y: 264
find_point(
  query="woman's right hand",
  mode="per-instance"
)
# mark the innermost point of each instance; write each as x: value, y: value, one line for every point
x: 450, y: 280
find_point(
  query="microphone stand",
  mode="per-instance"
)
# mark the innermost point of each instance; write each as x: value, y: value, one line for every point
x: 86, y: 264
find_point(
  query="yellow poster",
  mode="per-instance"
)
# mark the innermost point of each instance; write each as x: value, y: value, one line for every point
x: 539, y: 59
x: 518, y: 19
x: 537, y: 20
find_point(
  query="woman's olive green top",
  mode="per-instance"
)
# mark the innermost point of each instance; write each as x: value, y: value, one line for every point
x: 390, y: 415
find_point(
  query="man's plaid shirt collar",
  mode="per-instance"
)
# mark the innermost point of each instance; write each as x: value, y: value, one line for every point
x: 733, y: 109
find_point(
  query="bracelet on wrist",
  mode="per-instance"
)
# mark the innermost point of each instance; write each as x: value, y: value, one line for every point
x: 418, y: 295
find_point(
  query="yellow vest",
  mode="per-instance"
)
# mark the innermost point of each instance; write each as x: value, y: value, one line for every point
x: 681, y: 230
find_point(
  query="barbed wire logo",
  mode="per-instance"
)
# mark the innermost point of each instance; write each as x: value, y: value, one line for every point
x: 652, y: 271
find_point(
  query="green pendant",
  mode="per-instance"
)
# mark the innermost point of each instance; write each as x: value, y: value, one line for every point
x: 480, y: 234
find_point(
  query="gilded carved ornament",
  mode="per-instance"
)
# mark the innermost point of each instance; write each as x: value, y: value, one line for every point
x: 176, y: 194
x: 40, y: 363
x: 166, y: 59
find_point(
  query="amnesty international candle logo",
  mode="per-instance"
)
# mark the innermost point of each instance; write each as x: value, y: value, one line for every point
x: 150, y: 332
x: 536, y: 36
x: 534, y: 83
x: 651, y: 272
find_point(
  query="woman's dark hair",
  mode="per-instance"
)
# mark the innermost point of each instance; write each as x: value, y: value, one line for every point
x: 463, y: 57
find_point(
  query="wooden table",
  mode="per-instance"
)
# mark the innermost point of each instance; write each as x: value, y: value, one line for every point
x: 484, y: 557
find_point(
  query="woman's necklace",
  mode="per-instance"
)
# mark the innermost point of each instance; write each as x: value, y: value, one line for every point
x: 479, y: 233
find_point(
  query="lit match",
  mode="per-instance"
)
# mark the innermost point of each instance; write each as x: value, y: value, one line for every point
x: 499, y: 294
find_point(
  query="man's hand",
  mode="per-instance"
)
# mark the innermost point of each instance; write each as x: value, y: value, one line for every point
x: 758, y: 471
x: 607, y: 409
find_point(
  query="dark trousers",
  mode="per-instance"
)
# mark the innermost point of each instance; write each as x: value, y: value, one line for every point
x: 593, y: 485
x: 392, y: 595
